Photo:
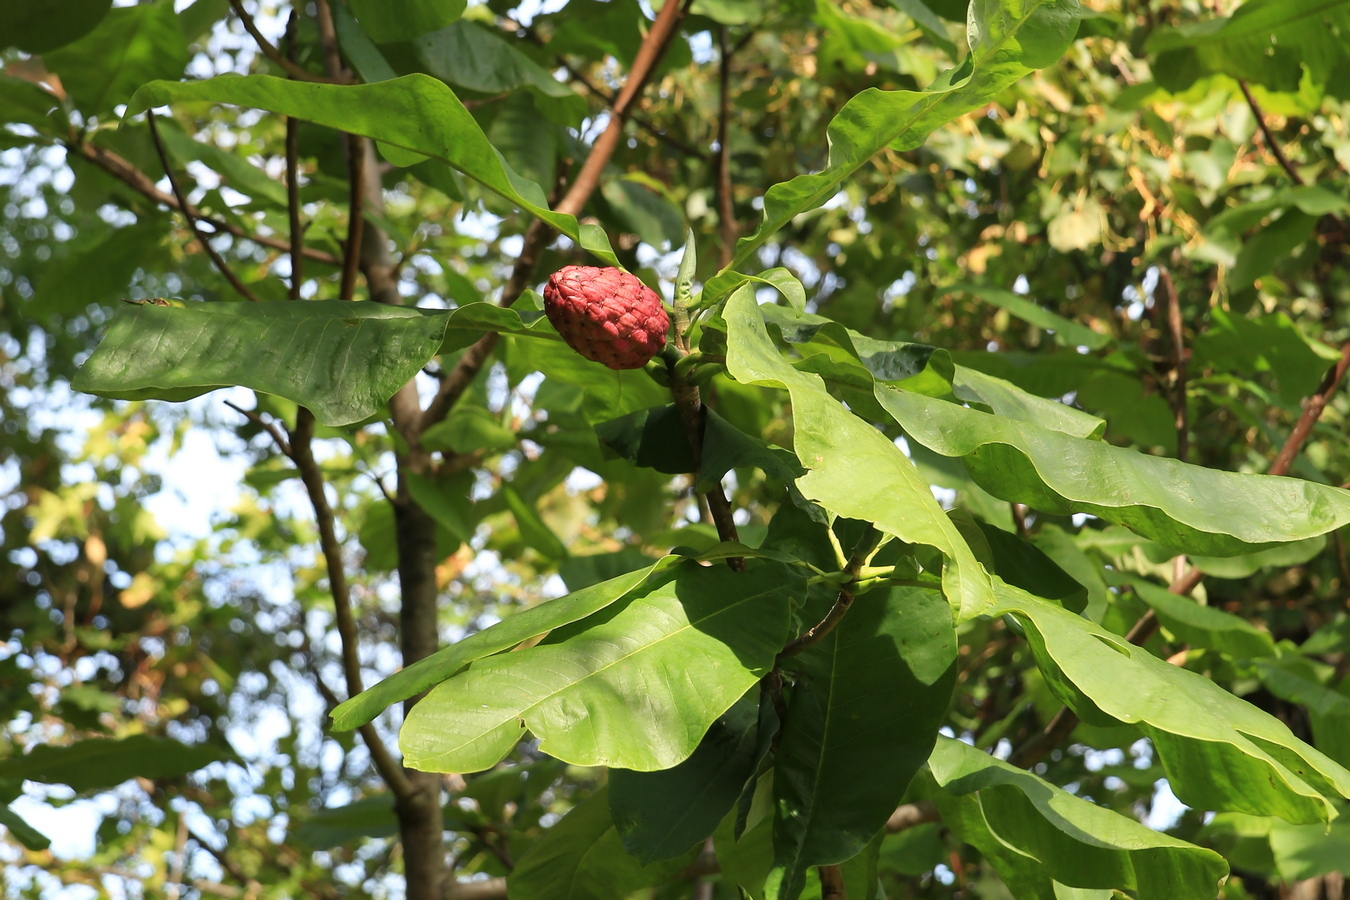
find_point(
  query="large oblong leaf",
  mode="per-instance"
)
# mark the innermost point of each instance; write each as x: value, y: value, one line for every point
x: 1219, y: 752
x: 854, y: 471
x: 343, y: 360
x: 98, y: 763
x: 1008, y: 39
x: 1185, y: 507
x: 869, y: 699
x: 1075, y: 842
x: 635, y: 687
x: 416, y: 113
x: 448, y: 661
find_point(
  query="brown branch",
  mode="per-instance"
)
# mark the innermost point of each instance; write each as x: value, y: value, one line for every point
x: 356, y: 214
x: 216, y: 259
x: 293, y: 182
x: 302, y: 453
x: 290, y: 67
x: 269, y: 427
x: 1271, y: 144
x: 538, y: 234
x: 138, y: 181
x: 1178, y: 361
x: 726, y: 209
x: 866, y: 546
x: 1312, y: 411
x: 831, y: 883
x: 332, y: 57
x: 911, y: 815
x: 638, y: 119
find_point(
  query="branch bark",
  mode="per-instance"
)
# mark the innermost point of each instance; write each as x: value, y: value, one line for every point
x: 290, y: 67
x: 138, y: 181
x: 1179, y: 403
x: 726, y: 208
x: 216, y: 259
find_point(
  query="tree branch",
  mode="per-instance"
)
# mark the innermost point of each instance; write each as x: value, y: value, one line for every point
x: 866, y: 546
x: 290, y: 67
x: 302, y: 453
x: 293, y: 182
x: 831, y: 883
x: 1312, y: 411
x: 538, y: 234
x: 1271, y: 144
x: 726, y: 209
x: 356, y: 213
x: 138, y: 181
x: 1179, y: 403
x: 215, y: 257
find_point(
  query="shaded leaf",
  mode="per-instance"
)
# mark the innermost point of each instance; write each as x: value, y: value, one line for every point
x: 388, y: 21
x: 636, y: 687
x: 130, y: 46
x: 1205, y: 626
x: 1067, y: 332
x: 21, y: 831
x: 99, y: 763
x: 1185, y: 507
x: 39, y: 26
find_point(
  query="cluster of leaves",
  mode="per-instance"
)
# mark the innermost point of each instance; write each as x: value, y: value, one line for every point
x: 1054, y: 261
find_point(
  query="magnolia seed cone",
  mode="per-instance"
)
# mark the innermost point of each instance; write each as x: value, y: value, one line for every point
x: 606, y: 315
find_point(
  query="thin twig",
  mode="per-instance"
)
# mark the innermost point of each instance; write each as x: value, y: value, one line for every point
x: 726, y: 209
x: 1271, y: 144
x: 288, y: 66
x: 138, y: 181
x: 866, y: 546
x: 270, y: 427
x: 538, y: 234
x: 356, y: 214
x: 302, y: 452
x: 1178, y: 361
x: 640, y: 120
x: 293, y: 181
x: 1312, y: 411
x: 216, y: 258
x: 332, y: 56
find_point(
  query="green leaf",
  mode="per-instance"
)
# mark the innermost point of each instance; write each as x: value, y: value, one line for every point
x: 1281, y: 556
x: 533, y: 529
x: 416, y: 113
x: 22, y: 101
x: 1003, y: 398
x: 1270, y: 344
x: 868, y: 698
x: 130, y: 46
x: 1185, y: 507
x: 636, y: 687
x: 1074, y: 842
x: 1025, y: 565
x: 836, y: 446
x: 1309, y: 851
x: 469, y: 428
x: 470, y: 56
x: 239, y: 173
x: 343, y: 360
x: 1328, y: 710
x: 100, y: 763
x: 1219, y: 752
x: 605, y: 393
x: 1205, y: 626
x: 21, y: 831
x: 389, y: 21
x: 40, y: 26
x: 582, y: 858
x: 1269, y: 42
x: 447, y: 501
x: 369, y: 817
x: 107, y: 260
x: 1068, y: 332
x: 661, y: 815
x: 1008, y: 38
x: 504, y: 635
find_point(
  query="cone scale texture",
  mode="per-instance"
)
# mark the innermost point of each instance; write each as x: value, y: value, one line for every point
x: 606, y: 315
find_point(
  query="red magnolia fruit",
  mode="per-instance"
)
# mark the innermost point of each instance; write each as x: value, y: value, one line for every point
x: 606, y: 315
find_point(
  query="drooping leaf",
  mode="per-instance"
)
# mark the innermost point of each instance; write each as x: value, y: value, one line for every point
x: 130, y: 46
x: 1074, y: 841
x: 661, y: 815
x: 1186, y: 507
x: 533, y: 530
x: 853, y: 471
x: 1067, y: 331
x: 343, y: 360
x: 1268, y: 42
x: 636, y: 687
x: 40, y: 26
x: 21, y: 831
x: 416, y: 113
x: 388, y: 21
x: 869, y: 698
x: 1008, y: 40
x: 582, y: 858
x: 1219, y: 752
x: 1328, y: 709
x: 468, y: 55
x: 504, y: 635
x: 1205, y: 626
x: 107, y: 259
x: 98, y: 763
